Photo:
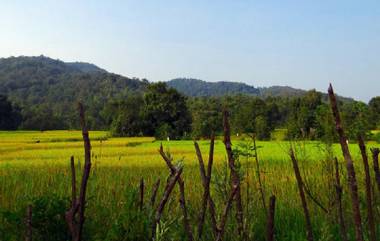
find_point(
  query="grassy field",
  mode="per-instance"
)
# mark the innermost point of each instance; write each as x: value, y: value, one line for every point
x: 34, y: 166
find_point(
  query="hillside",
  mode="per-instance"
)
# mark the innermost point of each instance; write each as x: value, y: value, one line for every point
x: 196, y: 87
x: 42, y: 82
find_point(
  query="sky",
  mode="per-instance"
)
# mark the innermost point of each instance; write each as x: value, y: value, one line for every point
x: 304, y: 44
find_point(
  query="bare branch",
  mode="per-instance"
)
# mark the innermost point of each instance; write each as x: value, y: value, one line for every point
x: 339, y: 189
x: 168, y: 189
x: 350, y: 166
x: 29, y: 232
x: 270, y: 222
x: 182, y: 199
x: 368, y: 185
x: 141, y: 203
x: 302, y: 195
x: 375, y: 157
x: 154, y: 192
x: 227, y: 209
x: 234, y: 173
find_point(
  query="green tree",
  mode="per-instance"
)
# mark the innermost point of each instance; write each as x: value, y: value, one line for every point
x: 206, y: 114
x: 356, y: 119
x: 302, y: 120
x: 125, y: 116
x: 374, y: 108
x: 165, y: 112
x: 10, y: 116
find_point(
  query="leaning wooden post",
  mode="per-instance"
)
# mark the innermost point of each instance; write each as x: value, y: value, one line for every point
x: 375, y: 157
x: 349, y: 165
x: 339, y: 191
x: 75, y: 215
x: 29, y: 232
x: 371, y: 222
x: 234, y: 173
x: 270, y: 222
x: 302, y: 195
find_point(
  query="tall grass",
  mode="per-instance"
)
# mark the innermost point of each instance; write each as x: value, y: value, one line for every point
x: 34, y: 166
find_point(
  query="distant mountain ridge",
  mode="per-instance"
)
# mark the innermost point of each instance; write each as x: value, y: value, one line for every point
x: 42, y: 83
x: 196, y: 87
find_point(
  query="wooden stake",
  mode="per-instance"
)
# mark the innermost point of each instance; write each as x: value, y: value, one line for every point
x: 302, y: 196
x: 182, y: 199
x: 270, y: 222
x: 375, y: 157
x: 168, y: 190
x: 349, y: 165
x: 29, y: 231
x: 339, y: 192
x: 234, y: 174
x: 371, y: 221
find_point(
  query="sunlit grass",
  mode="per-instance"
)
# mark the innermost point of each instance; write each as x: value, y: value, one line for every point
x: 33, y: 164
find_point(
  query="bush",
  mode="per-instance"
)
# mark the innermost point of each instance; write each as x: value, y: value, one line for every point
x: 47, y: 219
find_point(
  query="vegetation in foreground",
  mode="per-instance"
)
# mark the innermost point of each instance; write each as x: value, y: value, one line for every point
x: 34, y: 169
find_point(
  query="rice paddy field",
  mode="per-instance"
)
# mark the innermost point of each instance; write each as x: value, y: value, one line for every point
x: 35, y: 169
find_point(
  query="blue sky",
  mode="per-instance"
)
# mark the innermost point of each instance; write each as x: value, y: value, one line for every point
x: 304, y: 44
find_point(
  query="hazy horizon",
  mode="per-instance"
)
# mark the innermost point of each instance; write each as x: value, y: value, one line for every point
x: 299, y: 44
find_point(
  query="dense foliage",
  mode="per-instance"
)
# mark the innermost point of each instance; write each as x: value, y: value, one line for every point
x: 42, y: 95
x: 10, y: 116
x: 46, y: 91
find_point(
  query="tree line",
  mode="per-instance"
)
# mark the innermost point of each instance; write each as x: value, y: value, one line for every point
x: 163, y: 112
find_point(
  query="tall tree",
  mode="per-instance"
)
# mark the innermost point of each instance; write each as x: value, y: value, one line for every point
x: 374, y: 108
x: 165, y: 112
x: 10, y: 116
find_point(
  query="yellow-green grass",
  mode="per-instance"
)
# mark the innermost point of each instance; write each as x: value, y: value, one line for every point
x: 34, y: 164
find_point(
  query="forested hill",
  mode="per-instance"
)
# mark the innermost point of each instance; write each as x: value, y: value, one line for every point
x: 196, y: 87
x: 200, y: 88
x: 49, y: 88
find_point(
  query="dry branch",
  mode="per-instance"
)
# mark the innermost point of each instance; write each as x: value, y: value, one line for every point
x: 302, y: 195
x: 75, y: 215
x: 375, y: 157
x: 371, y: 222
x: 182, y: 199
x: 227, y: 209
x: 141, y: 203
x: 339, y: 192
x: 234, y: 173
x: 270, y: 222
x: 154, y: 192
x: 168, y: 189
x: 206, y: 199
x: 261, y: 188
x: 29, y: 232
x: 350, y: 166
